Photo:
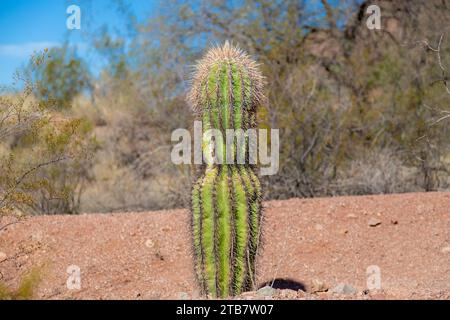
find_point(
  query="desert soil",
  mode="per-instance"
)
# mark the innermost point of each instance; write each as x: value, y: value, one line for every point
x: 310, y: 247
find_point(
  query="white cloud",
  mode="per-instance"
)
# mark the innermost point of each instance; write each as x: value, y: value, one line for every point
x: 25, y: 49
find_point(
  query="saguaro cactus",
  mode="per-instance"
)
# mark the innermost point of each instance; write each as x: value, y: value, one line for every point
x: 226, y: 198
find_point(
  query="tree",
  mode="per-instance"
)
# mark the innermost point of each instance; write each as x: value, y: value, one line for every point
x: 62, y: 76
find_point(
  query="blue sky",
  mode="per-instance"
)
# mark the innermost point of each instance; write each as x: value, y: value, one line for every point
x: 32, y: 25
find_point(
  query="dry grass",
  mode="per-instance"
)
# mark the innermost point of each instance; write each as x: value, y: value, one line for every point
x: 26, y: 289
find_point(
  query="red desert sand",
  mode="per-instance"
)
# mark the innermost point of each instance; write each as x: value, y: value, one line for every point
x: 313, y: 249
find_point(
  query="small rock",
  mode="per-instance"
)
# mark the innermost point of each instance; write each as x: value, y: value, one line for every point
x: 373, y: 222
x: 149, y: 243
x: 394, y: 221
x: 343, y: 288
x: 318, y: 227
x: 351, y: 216
x: 444, y: 250
x: 36, y: 236
x: 3, y: 256
x: 266, y: 291
x: 318, y: 286
x: 183, y: 296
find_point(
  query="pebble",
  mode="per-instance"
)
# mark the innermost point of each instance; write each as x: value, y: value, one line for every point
x: 444, y: 250
x: 149, y: 243
x: 318, y: 286
x: 266, y: 291
x: 373, y: 222
x: 3, y: 256
x: 343, y: 288
x: 318, y: 227
x: 183, y: 296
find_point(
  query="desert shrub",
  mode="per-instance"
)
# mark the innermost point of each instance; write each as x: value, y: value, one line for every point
x: 132, y: 168
x: 43, y: 153
x: 122, y: 188
x: 377, y: 172
x: 336, y: 90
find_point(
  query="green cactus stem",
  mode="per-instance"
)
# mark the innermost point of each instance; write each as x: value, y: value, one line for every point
x: 226, y: 198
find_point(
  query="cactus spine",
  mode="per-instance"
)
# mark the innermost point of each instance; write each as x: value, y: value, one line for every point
x: 226, y: 198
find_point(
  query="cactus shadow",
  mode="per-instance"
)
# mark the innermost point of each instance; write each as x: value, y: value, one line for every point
x: 281, y: 283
